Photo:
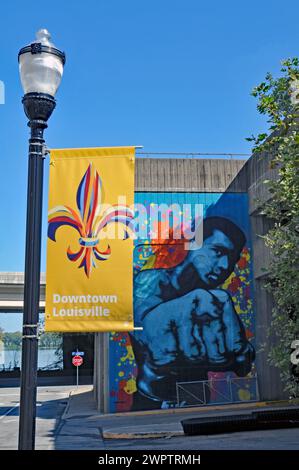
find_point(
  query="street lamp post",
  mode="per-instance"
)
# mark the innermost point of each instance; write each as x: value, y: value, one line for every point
x: 41, y: 69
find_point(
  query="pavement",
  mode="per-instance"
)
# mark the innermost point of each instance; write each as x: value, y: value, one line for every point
x: 67, y: 419
x: 83, y: 427
x: 51, y: 402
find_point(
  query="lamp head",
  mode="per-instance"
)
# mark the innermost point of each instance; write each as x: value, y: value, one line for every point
x: 41, y: 65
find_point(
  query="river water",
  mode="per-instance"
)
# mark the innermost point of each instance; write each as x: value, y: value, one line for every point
x: 46, y: 359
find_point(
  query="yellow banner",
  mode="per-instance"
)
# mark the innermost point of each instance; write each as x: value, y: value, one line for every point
x: 89, y: 278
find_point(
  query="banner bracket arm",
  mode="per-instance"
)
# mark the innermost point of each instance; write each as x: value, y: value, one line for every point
x: 47, y: 150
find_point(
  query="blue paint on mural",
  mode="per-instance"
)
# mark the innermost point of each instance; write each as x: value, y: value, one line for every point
x: 196, y: 308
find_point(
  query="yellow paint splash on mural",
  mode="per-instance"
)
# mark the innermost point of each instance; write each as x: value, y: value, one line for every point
x: 130, y: 355
x: 238, y: 309
x: 130, y: 386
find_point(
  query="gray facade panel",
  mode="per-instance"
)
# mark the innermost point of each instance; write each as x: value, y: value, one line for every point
x: 251, y: 178
x: 186, y: 174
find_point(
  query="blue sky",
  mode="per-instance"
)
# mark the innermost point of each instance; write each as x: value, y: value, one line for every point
x: 169, y: 75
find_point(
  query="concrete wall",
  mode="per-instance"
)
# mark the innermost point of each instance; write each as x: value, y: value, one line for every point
x: 185, y: 174
x: 101, y: 372
x: 251, y: 179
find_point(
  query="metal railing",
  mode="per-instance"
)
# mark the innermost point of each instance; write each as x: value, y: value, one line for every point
x: 217, y: 391
x: 193, y: 154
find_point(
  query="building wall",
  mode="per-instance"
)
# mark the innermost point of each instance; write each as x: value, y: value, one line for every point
x: 251, y: 179
x: 159, y: 175
x: 185, y: 174
x: 205, y: 177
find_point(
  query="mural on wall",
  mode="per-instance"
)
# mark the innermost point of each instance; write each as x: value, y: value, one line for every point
x: 196, y: 310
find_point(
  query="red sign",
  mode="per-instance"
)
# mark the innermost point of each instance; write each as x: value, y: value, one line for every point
x: 77, y: 361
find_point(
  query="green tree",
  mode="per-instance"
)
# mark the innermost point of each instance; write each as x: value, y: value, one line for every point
x: 50, y: 340
x: 12, y: 340
x: 282, y: 142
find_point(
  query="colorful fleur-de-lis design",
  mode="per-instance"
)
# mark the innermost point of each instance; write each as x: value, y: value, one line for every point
x: 89, y: 221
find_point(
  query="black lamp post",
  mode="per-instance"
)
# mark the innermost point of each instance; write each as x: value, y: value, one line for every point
x: 41, y: 69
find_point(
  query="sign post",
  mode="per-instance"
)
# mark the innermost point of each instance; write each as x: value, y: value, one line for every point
x: 77, y: 361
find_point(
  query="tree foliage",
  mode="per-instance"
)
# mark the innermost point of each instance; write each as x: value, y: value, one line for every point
x: 13, y: 340
x: 282, y: 142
